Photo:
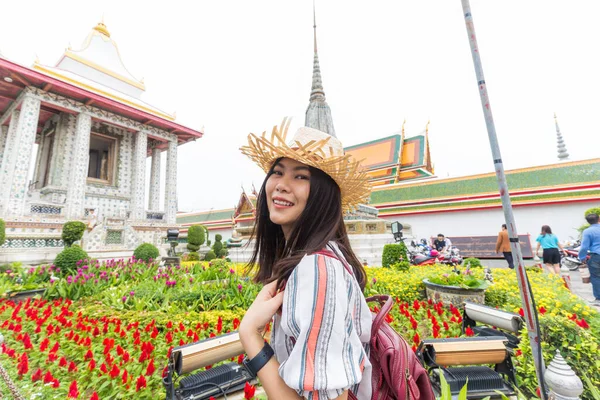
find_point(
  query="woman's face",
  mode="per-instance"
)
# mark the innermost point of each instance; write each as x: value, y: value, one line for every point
x: 287, y: 191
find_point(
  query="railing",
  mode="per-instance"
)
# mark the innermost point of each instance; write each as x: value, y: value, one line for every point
x: 47, y: 209
x: 155, y: 215
x: 31, y: 243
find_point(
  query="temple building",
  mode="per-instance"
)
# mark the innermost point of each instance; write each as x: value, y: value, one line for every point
x: 94, y: 134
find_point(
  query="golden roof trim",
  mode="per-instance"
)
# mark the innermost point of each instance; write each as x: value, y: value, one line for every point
x: 78, y: 58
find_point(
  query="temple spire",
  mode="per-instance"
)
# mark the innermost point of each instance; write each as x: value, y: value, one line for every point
x: 562, y: 148
x: 318, y: 113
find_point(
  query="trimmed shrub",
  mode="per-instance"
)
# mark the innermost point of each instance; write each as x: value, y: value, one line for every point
x: 67, y: 259
x: 210, y: 256
x: 473, y: 262
x: 146, y: 251
x: 218, y: 248
x: 72, y: 231
x: 193, y: 256
x: 2, y: 232
x: 218, y: 237
x: 195, y: 237
x: 593, y: 210
x: 401, y: 266
x: 393, y: 253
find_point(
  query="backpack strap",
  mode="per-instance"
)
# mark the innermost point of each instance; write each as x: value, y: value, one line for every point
x: 329, y: 253
x: 386, y: 303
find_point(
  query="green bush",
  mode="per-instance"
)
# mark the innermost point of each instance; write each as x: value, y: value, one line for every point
x: 472, y: 262
x: 401, y: 266
x: 67, y: 259
x: 210, y: 256
x: 146, y: 251
x: 218, y: 248
x: 72, y: 231
x: 2, y: 232
x: 593, y: 210
x: 393, y: 253
x: 193, y: 256
x: 195, y: 237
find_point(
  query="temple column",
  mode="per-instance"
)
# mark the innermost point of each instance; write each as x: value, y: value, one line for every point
x: 19, y: 151
x: 3, y: 135
x: 154, y: 202
x: 171, y: 183
x: 7, y: 155
x: 138, y: 187
x: 79, y: 167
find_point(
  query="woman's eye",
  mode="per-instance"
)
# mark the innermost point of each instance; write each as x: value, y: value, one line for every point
x: 277, y: 173
x: 302, y: 177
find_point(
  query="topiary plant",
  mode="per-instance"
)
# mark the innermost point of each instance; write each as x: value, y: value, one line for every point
x: 146, y: 251
x: 472, y: 262
x: 193, y: 256
x: 2, y: 232
x: 210, y: 256
x: 218, y: 248
x: 195, y: 237
x: 393, y: 253
x: 72, y: 231
x: 67, y: 259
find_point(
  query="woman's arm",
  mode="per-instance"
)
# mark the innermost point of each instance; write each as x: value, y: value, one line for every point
x: 269, y: 377
x: 537, y: 249
x: 259, y: 314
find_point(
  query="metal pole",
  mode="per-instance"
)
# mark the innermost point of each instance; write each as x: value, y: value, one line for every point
x: 526, y: 294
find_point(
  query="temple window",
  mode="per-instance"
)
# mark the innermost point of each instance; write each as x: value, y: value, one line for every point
x: 102, y: 164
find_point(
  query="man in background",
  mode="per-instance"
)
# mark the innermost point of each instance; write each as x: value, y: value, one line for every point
x: 503, y: 245
x: 440, y: 243
x: 591, y: 242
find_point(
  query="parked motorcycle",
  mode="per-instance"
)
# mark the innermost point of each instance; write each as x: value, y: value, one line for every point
x: 571, y: 259
x: 452, y: 257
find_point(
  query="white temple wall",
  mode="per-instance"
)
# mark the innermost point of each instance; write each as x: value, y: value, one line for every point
x: 564, y: 219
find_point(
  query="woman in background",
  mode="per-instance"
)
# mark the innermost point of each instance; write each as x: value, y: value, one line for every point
x: 549, y: 243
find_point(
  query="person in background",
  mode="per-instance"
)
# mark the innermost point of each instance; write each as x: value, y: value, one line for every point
x: 591, y: 242
x: 549, y: 242
x: 440, y: 243
x: 503, y: 245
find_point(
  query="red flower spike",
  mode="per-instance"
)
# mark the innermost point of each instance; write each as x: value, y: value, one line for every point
x: 150, y: 369
x: 62, y: 362
x: 37, y: 375
x: 73, y: 391
x: 543, y: 310
x: 48, y: 378
x: 249, y: 391
x: 55, y: 383
x: 141, y: 383
x: 115, y: 372
x: 72, y: 367
x: 92, y: 365
x: 416, y: 339
x: 582, y: 323
x: 219, y: 324
x: 469, y: 331
x: 240, y: 359
x: 94, y: 396
x: 521, y: 312
x: 124, y: 378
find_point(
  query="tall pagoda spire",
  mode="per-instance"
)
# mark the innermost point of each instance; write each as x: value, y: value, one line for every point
x: 318, y: 113
x: 562, y: 148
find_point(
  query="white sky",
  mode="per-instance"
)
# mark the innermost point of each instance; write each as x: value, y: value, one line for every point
x: 240, y: 66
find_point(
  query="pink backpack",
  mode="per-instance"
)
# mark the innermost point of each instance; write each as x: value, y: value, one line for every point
x: 397, y: 373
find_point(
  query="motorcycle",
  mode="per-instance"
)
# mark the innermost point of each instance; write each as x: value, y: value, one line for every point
x: 452, y: 257
x: 571, y: 259
x: 421, y: 254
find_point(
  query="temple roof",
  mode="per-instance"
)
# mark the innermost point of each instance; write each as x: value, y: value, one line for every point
x: 93, y: 76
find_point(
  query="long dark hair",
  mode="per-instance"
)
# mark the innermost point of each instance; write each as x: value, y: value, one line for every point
x: 321, y: 221
x: 546, y: 230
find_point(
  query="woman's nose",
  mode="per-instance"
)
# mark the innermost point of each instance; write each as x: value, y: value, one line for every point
x: 281, y: 187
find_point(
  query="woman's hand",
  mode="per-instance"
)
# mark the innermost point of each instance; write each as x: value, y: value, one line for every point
x: 261, y: 311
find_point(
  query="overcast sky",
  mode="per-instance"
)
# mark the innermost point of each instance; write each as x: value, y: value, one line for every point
x: 236, y: 67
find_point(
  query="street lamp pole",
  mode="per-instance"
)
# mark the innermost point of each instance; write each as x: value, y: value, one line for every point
x: 524, y: 287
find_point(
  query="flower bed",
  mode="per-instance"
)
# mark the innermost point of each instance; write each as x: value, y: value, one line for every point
x: 108, y: 330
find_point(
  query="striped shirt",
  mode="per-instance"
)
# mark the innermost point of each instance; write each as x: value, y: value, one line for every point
x: 321, y: 337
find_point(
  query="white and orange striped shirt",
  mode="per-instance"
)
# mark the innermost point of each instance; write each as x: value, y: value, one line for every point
x: 321, y: 338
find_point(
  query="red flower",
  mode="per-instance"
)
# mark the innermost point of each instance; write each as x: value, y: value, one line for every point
x: 249, y: 391
x: 124, y: 377
x: 542, y: 310
x: 518, y: 353
x: 92, y: 365
x: 521, y: 312
x: 169, y: 337
x: 73, y: 391
x: 416, y: 305
x: 88, y: 355
x: 114, y: 372
x: 48, y: 377
x: 150, y: 369
x: 125, y: 356
x: 27, y: 341
x: 169, y: 325
x: 44, y: 345
x: 141, y: 383
x: 219, y: 324
x: 72, y: 367
x: 55, y: 383
x: 240, y: 359
x: 37, y: 375
x: 469, y: 331
x: 446, y: 326
x: 103, y: 368
x: 23, y: 365
x: 582, y: 323
x: 94, y: 396
x: 417, y: 339
x: 236, y: 323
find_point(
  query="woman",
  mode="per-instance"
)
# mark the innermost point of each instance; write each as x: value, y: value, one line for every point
x: 549, y: 242
x: 321, y: 324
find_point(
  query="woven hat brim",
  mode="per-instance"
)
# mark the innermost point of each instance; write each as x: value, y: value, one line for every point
x: 344, y: 170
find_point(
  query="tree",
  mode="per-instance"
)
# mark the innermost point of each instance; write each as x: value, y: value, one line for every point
x: 196, y: 237
x: 218, y: 248
x: 72, y: 231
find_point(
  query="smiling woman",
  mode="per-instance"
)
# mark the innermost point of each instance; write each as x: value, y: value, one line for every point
x: 310, y: 273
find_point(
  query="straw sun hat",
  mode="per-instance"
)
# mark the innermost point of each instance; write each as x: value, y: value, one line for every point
x: 316, y: 149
